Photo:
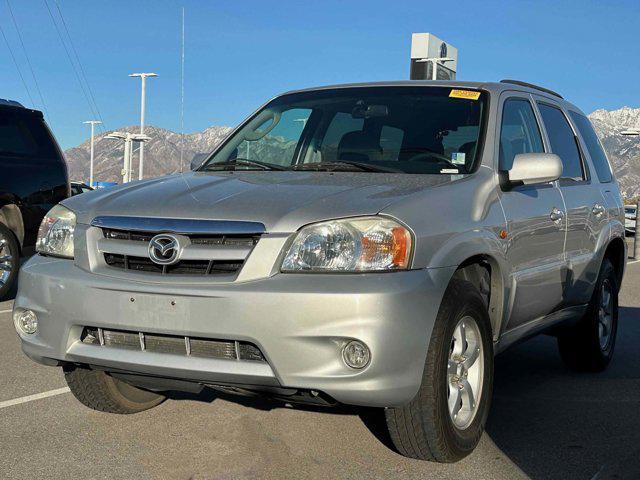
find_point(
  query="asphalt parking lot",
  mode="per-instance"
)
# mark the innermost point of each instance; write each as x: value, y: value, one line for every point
x: 546, y: 423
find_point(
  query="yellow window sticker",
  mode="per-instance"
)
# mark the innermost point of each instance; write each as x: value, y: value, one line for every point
x: 468, y: 94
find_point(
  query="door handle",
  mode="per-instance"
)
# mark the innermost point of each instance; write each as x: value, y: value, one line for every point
x: 597, y: 210
x: 556, y: 215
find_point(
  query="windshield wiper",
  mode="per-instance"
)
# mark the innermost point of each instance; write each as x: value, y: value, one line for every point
x: 342, y: 164
x: 244, y: 162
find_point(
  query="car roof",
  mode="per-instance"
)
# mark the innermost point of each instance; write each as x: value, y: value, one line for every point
x: 494, y: 88
x: 17, y: 106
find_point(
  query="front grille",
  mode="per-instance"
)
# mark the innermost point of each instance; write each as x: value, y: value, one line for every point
x: 185, y: 267
x: 172, y: 344
x: 222, y: 240
x: 242, y: 243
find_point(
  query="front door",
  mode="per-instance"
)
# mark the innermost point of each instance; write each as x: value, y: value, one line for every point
x: 536, y: 222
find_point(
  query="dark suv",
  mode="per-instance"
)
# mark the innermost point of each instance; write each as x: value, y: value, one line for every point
x: 33, y: 178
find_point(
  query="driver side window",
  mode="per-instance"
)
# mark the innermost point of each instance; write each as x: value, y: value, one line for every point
x: 519, y: 132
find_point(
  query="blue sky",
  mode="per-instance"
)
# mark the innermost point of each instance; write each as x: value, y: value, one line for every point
x: 238, y: 54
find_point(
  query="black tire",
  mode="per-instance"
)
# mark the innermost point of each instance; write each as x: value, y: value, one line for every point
x: 8, y: 248
x: 424, y: 429
x: 100, y: 391
x: 580, y: 345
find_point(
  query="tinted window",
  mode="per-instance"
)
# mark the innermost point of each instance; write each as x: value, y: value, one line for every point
x: 341, y: 124
x: 563, y: 141
x: 519, y: 132
x: 422, y: 130
x: 598, y: 157
x: 24, y: 135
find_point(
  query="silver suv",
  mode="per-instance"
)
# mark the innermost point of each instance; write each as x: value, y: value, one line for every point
x: 370, y: 244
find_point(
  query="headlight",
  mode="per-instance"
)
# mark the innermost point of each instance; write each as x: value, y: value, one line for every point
x: 55, y: 236
x: 350, y: 245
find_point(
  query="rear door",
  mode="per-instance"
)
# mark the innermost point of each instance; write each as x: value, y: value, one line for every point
x: 585, y: 204
x: 535, y: 219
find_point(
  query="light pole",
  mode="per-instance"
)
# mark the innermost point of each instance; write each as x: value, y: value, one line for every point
x: 93, y: 123
x: 143, y: 78
x: 128, y: 138
x: 636, y: 236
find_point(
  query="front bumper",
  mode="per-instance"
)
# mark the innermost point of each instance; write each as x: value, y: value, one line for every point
x: 299, y: 321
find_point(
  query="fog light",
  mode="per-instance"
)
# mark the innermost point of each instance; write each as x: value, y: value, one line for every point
x: 26, y: 321
x: 356, y: 354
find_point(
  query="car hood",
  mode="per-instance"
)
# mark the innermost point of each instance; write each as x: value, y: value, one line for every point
x: 282, y: 201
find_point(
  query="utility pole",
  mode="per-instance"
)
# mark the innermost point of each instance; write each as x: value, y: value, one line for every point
x: 143, y: 78
x: 93, y: 123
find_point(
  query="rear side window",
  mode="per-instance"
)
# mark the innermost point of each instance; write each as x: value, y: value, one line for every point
x: 24, y: 135
x: 563, y: 141
x: 519, y: 132
x: 596, y: 152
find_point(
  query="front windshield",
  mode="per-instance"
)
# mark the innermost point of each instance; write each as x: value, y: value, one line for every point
x: 418, y: 130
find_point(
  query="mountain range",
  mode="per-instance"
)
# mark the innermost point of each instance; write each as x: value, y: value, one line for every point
x: 162, y: 152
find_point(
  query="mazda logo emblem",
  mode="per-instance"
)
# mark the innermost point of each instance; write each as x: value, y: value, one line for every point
x: 164, y: 249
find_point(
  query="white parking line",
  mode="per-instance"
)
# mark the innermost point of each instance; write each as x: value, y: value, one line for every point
x: 31, y: 398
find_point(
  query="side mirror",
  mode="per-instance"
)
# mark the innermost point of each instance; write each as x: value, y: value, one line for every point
x: 534, y: 168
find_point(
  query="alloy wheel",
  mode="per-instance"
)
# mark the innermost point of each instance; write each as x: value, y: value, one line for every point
x: 605, y: 314
x: 465, y: 373
x: 6, y: 260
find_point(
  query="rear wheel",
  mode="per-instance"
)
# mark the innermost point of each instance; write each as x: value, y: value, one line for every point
x: 446, y: 418
x: 588, y: 346
x: 9, y: 260
x: 100, y: 391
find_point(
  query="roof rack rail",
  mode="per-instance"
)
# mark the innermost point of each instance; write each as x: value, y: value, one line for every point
x: 531, y: 85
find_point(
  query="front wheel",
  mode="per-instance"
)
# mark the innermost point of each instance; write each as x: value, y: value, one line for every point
x: 446, y: 418
x: 9, y: 260
x: 100, y: 391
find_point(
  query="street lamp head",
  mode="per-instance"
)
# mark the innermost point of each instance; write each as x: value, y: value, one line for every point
x: 139, y: 137
x: 630, y: 133
x: 93, y: 122
x: 117, y: 135
x: 143, y: 74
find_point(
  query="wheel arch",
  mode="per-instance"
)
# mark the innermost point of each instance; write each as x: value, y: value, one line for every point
x: 486, y: 273
x: 616, y: 252
x: 11, y: 217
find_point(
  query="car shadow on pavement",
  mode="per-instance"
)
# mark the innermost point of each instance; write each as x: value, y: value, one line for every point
x: 554, y: 423
x: 551, y: 422
x: 372, y: 418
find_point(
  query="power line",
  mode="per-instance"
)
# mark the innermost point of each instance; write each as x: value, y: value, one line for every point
x: 17, y: 66
x: 84, y: 76
x: 182, y: 95
x: 24, y: 49
x: 73, y: 66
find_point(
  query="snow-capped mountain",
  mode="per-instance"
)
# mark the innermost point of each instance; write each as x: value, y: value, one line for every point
x: 162, y: 152
x: 623, y: 151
